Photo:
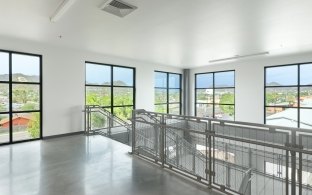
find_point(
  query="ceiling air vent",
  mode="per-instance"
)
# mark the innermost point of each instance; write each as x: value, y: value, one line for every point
x: 118, y: 7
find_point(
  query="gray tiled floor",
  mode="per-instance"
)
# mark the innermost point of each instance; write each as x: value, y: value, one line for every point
x: 85, y: 165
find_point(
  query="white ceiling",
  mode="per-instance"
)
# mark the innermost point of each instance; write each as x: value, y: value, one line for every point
x: 182, y: 33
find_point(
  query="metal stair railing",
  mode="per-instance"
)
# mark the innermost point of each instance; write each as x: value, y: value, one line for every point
x: 242, y: 156
x: 182, y: 141
x: 111, y: 119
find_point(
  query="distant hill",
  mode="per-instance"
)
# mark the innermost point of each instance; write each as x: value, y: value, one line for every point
x: 273, y: 84
x: 116, y: 83
x: 20, y: 77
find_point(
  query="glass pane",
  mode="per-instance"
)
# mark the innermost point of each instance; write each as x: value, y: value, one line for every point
x: 305, y: 74
x: 305, y: 118
x: 174, y: 95
x: 287, y: 117
x: 98, y: 96
x: 204, y: 80
x: 123, y: 112
x: 161, y: 108
x: 225, y: 112
x: 204, y: 110
x: 25, y: 97
x: 160, y: 79
x: 306, y: 97
x: 174, y: 81
x: 25, y: 68
x: 204, y: 95
x: 282, y: 96
x: 283, y: 75
x: 123, y: 76
x: 26, y: 126
x: 4, y: 66
x: 160, y: 96
x: 174, y: 109
x: 4, y: 128
x: 123, y: 96
x: 225, y: 79
x: 97, y: 74
x: 224, y: 96
x: 4, y: 97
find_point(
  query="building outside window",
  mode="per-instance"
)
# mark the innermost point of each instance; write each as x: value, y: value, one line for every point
x: 288, y: 95
x: 168, y: 92
x: 215, y: 95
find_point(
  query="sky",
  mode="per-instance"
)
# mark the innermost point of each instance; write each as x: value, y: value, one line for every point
x: 28, y: 65
x: 99, y: 74
x: 288, y: 75
x: 222, y: 79
x: 161, y: 80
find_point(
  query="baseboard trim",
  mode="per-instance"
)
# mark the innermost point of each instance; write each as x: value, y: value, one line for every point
x: 62, y: 135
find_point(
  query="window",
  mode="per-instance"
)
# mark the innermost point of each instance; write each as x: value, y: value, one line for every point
x: 215, y: 95
x: 168, y: 92
x: 288, y: 95
x: 20, y: 97
x: 112, y: 87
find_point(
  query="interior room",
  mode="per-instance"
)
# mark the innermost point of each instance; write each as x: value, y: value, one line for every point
x: 155, y: 97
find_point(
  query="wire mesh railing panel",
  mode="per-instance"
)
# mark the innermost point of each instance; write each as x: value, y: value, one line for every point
x: 147, y: 139
x: 305, y: 165
x: 183, y: 154
x: 226, y: 154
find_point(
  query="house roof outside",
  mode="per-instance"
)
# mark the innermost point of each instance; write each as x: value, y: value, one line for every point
x: 25, y: 116
x: 289, y: 117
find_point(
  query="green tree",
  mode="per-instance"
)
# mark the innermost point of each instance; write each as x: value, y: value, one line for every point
x: 29, y: 106
x: 97, y: 121
x: 271, y: 98
x: 227, y: 98
x: 33, y: 127
x: 2, y: 107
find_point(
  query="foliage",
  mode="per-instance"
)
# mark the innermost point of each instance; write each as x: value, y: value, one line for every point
x: 29, y: 106
x: 227, y: 98
x: 161, y: 108
x: 2, y: 107
x: 19, y: 96
x: 98, y: 121
x: 123, y: 112
x: 24, y: 93
x: 33, y: 127
x: 122, y: 97
x: 275, y: 97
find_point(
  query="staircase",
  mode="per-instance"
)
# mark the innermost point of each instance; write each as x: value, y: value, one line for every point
x: 113, y: 126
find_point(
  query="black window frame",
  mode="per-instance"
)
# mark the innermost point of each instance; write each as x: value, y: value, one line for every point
x: 213, y: 89
x: 112, y: 86
x: 10, y: 82
x: 298, y: 86
x: 167, y: 88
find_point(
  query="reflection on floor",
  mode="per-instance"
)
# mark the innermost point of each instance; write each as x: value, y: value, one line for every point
x: 85, y: 165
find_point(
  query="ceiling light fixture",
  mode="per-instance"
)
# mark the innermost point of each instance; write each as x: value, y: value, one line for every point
x: 61, y: 10
x: 240, y: 56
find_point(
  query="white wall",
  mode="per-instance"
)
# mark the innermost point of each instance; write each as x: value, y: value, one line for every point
x: 64, y: 80
x: 249, y: 83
